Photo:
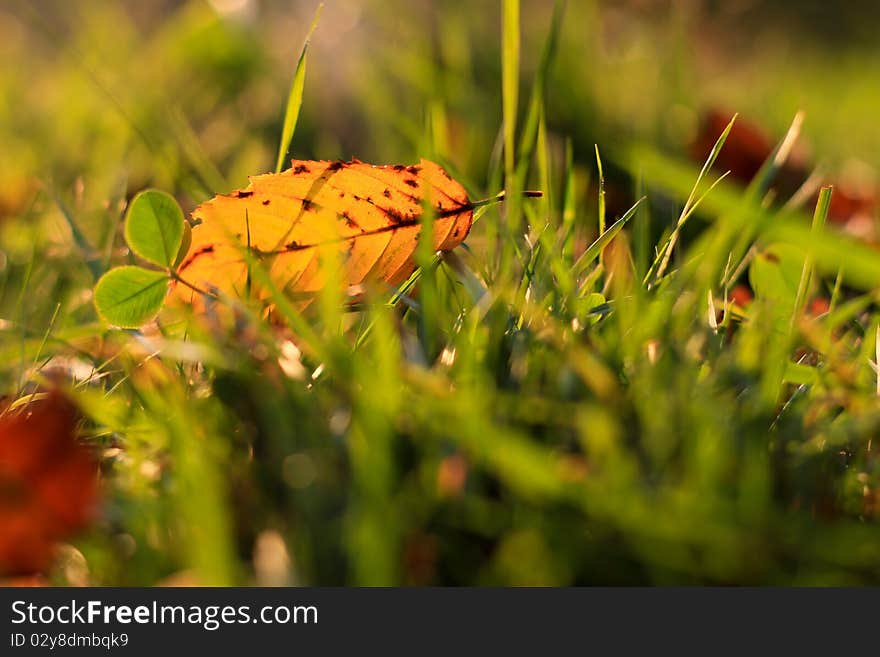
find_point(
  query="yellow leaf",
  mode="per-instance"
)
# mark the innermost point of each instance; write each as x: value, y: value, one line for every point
x: 371, y: 216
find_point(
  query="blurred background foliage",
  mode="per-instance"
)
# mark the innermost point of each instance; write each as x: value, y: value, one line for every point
x: 611, y: 439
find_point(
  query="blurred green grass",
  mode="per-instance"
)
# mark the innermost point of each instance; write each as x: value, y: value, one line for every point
x: 517, y: 421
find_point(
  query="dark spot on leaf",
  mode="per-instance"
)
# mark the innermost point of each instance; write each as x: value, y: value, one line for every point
x: 414, y: 169
x: 240, y: 193
x: 393, y: 215
x: 336, y: 166
x: 351, y: 223
x: 772, y: 257
x: 292, y: 246
x: 300, y: 168
x: 341, y: 194
x: 308, y: 205
x: 199, y: 252
x: 399, y: 167
x: 412, y: 182
x: 386, y: 193
x: 266, y: 202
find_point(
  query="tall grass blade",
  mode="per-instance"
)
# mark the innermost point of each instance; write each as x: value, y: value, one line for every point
x: 294, y: 99
x: 665, y: 252
x: 603, y: 240
x: 509, y: 85
x: 819, y: 217
x: 530, y: 131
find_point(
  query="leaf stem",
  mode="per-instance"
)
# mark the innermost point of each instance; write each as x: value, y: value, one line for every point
x: 499, y: 197
x: 176, y: 277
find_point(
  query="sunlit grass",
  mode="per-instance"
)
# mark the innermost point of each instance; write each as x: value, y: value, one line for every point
x: 542, y: 406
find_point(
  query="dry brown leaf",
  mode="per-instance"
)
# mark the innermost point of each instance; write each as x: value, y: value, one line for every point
x: 370, y: 216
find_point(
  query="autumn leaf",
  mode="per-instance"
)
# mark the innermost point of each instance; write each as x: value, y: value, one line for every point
x: 48, y: 483
x: 369, y: 216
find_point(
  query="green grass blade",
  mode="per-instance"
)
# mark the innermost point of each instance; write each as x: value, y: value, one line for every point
x: 569, y: 209
x: 641, y: 230
x: 294, y: 100
x: 85, y: 247
x: 767, y: 173
x: 603, y: 240
x: 530, y: 132
x: 819, y: 217
x: 601, y: 209
x: 510, y: 84
x: 664, y: 253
